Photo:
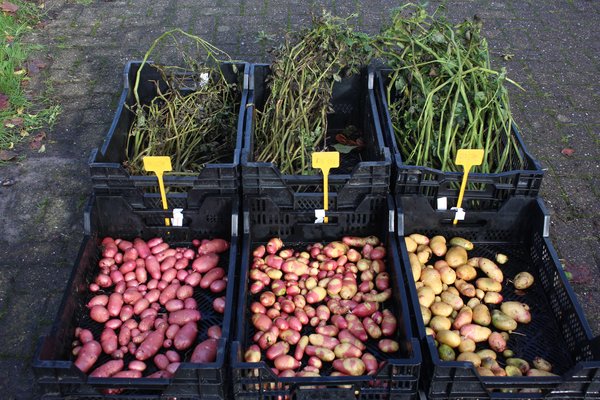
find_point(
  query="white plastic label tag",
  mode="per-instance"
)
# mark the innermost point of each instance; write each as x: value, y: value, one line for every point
x: 442, y: 203
x: 320, y: 216
x: 203, y: 79
x: 460, y: 213
x: 177, y: 219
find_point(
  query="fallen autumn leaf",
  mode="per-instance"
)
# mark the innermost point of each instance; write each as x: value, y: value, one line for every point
x: 7, y: 155
x: 9, y: 8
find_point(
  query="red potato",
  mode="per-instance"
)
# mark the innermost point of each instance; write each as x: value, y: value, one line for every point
x: 154, y: 241
x: 290, y: 336
x: 123, y: 244
x: 168, y: 263
x: 139, y: 338
x: 161, y: 361
x: 99, y: 314
x: 147, y: 323
x: 214, y: 332
x: 110, y: 250
x: 108, y: 341
x: 107, y: 369
x: 205, y: 351
x: 103, y: 281
x: 327, y: 330
x: 350, y: 366
x: 174, y: 305
x: 184, y: 292
x: 115, y: 302
x: 256, y: 287
x: 106, y: 262
x: 84, y: 335
x: 190, y: 304
x: 219, y: 304
x: 182, y: 317
x: 371, y: 363
x: 389, y: 323
x: 172, y: 368
x: 261, y: 322
x: 345, y: 336
x: 127, y: 267
x: 130, y: 278
x: 153, y: 267
x: 130, y: 254
x: 284, y: 362
x: 259, y: 252
x: 172, y: 331
x: 323, y: 341
x: 277, y: 349
x: 159, y: 248
x: 120, y: 287
x: 99, y: 300
x: 173, y: 356
x: 88, y: 355
x: 186, y: 336
x: 94, y: 287
x: 388, y: 345
x: 124, y: 336
x: 142, y: 248
x: 213, y: 246
x: 365, y: 309
x: 205, y: 263
x: 274, y: 245
x: 116, y: 276
x: 151, y: 345
x: 140, y: 306
x: 152, y: 296
x: 114, y: 323
x: 169, y: 275
x: 257, y: 308
x: 339, y: 321
x: 210, y: 276
x: 281, y: 323
x: 130, y: 374
x: 294, y: 323
x: 193, y: 279
x: 126, y: 313
x: 160, y: 257
x: 131, y: 296
x: 180, y: 266
x: 169, y: 293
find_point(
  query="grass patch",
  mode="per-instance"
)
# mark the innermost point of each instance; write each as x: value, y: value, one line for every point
x: 19, y: 115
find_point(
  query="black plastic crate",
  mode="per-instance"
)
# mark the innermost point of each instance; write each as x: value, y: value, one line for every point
x: 397, y: 379
x: 558, y: 331
x: 109, y: 177
x: 112, y: 216
x: 484, y: 192
x: 353, y: 103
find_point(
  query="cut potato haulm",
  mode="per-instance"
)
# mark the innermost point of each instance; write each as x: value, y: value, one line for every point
x: 145, y: 317
x: 315, y: 309
x: 463, y: 308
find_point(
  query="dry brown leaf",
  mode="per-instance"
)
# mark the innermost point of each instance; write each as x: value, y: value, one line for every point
x: 7, y: 155
x: 4, y: 103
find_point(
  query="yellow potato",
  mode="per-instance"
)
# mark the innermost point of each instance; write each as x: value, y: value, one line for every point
x: 441, y: 308
x: 419, y: 239
x: 453, y: 290
x: 461, y: 242
x: 456, y: 256
x: 424, y: 253
x: 466, y: 272
x: 438, y: 245
x: 519, y: 363
x: 475, y: 332
x: 542, y: 364
x: 469, y: 357
x: 491, y: 269
x: 493, y: 298
x: 501, y: 258
x: 454, y: 300
x: 448, y: 337
x: 517, y: 311
x: 503, y: 322
x: 466, y: 345
x: 447, y: 274
x: 465, y: 288
x: 487, y: 353
x: 431, y: 277
x: 473, y: 261
x: 446, y: 352
x: 523, y: 280
x: 415, y: 266
x: 481, y: 315
x: 429, y: 331
x: 484, y: 371
x: 426, y: 296
x: 511, y: 370
x: 488, y: 285
x: 439, y: 323
x: 480, y: 294
x: 473, y: 302
x: 411, y: 245
x: 426, y: 313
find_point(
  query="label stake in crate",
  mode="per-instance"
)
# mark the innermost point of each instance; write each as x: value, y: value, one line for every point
x: 467, y: 158
x: 325, y: 160
x: 159, y: 165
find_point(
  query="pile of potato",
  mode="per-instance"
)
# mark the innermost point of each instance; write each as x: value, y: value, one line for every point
x: 314, y: 310
x: 463, y: 309
x: 144, y: 301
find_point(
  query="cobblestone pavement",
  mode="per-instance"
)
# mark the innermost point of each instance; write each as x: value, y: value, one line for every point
x: 556, y: 57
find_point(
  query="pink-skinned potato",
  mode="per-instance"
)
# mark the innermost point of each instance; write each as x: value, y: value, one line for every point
x: 107, y: 369
x: 213, y: 246
x: 350, y: 366
x: 205, y: 263
x: 185, y: 337
x: 151, y: 345
x: 205, y: 351
x: 88, y: 355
